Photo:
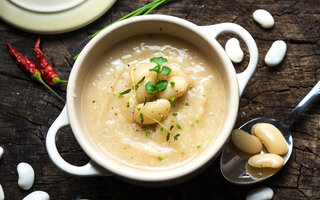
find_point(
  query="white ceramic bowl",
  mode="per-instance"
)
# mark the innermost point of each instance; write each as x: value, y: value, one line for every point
x: 202, y: 37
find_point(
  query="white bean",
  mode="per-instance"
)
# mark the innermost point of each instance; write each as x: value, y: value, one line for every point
x: 246, y: 142
x: 26, y: 175
x: 158, y: 110
x: 266, y: 160
x: 179, y: 88
x: 261, y: 193
x: 264, y: 18
x: 37, y: 195
x: 1, y: 193
x: 139, y: 72
x: 234, y: 50
x: 276, y: 53
x: 1, y: 152
x: 271, y: 138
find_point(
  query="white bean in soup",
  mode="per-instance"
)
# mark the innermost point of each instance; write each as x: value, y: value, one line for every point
x: 195, y: 115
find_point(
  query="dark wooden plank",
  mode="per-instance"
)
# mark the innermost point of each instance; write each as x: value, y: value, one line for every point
x: 28, y: 109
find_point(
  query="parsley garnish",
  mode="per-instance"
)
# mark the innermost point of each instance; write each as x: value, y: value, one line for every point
x: 172, y: 99
x: 172, y: 83
x: 154, y: 87
x: 160, y: 158
x: 197, y: 121
x: 191, y: 86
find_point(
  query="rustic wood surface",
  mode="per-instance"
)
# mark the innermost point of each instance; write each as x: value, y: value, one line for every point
x: 27, y: 109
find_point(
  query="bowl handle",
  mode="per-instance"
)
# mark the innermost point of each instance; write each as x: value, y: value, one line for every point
x: 217, y: 29
x: 90, y: 169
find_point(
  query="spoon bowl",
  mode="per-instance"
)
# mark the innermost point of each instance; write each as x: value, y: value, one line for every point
x: 233, y: 162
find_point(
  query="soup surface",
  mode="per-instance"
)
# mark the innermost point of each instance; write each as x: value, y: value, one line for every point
x: 194, y: 119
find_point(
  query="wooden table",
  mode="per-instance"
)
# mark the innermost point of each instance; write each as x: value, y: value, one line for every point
x: 28, y: 109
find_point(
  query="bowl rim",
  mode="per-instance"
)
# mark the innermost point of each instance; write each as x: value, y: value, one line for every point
x: 175, y: 172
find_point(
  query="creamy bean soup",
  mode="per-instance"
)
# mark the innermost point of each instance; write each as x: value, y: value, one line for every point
x: 160, y: 130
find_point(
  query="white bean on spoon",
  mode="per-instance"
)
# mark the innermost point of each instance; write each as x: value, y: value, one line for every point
x: 1, y: 152
x: 1, y: 193
x: 261, y: 193
x: 276, y: 53
x: 234, y: 50
x: 264, y: 18
x: 26, y: 175
x: 37, y: 195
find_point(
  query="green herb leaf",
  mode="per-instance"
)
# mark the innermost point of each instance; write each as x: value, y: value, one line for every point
x: 168, y: 136
x: 172, y: 99
x: 172, y: 83
x: 151, y: 87
x: 191, y: 86
x: 155, y: 69
x: 120, y: 94
x: 172, y: 120
x: 197, y: 121
x: 141, y: 81
x: 178, y: 125
x: 171, y: 127
x: 141, y: 117
x: 176, y: 136
x: 160, y: 158
x: 147, y: 133
x: 165, y: 70
x: 162, y: 117
x: 145, y: 101
x: 158, y: 60
x: 174, y: 114
x: 198, y: 146
x: 161, y: 129
x: 162, y: 85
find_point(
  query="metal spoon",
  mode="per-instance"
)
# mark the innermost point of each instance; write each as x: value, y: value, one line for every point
x: 233, y: 163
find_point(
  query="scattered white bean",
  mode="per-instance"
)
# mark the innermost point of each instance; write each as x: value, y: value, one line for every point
x: 1, y: 152
x: 234, y: 50
x: 1, y: 193
x: 37, y: 195
x: 261, y: 193
x: 264, y: 18
x: 246, y: 142
x: 276, y: 53
x: 266, y: 160
x: 26, y: 175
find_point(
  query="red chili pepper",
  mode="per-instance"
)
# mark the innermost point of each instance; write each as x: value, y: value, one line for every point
x: 29, y: 67
x: 46, y: 70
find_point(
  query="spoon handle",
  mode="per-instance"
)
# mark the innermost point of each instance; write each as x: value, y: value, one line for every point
x: 305, y: 102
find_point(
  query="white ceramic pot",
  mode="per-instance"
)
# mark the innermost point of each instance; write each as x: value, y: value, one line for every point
x: 204, y: 38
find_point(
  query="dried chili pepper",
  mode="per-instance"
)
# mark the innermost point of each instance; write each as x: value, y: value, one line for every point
x: 46, y: 70
x: 29, y: 67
